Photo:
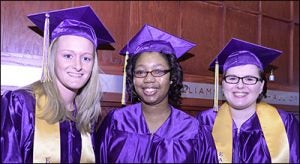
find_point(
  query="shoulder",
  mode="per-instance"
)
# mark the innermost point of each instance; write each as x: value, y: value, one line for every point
x: 120, y: 114
x: 182, y: 116
x: 17, y: 93
x: 182, y: 120
x: 206, y: 117
x: 287, y: 117
x: 207, y: 113
x: 181, y: 125
x: 284, y: 114
x: 17, y: 106
x: 133, y: 110
x: 21, y: 96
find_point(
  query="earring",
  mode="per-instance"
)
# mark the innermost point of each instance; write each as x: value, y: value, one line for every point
x: 272, y: 76
x: 171, y: 82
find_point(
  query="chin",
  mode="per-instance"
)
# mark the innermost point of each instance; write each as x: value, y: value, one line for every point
x: 75, y: 86
x: 150, y: 102
x: 147, y: 101
x: 240, y: 106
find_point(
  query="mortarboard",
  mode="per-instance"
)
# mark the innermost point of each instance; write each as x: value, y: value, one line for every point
x: 73, y: 21
x: 79, y: 21
x: 151, y: 39
x: 239, y: 52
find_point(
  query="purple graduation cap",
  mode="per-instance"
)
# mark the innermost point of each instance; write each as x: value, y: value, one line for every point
x: 238, y: 52
x: 79, y: 21
x: 152, y: 39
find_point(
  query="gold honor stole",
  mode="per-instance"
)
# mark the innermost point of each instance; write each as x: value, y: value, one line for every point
x: 46, y: 145
x: 272, y: 127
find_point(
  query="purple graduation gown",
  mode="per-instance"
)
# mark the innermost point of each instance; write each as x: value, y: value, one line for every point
x: 17, y: 131
x: 249, y: 145
x: 125, y: 138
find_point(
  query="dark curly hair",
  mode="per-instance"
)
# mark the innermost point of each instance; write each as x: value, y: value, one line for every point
x: 176, y: 76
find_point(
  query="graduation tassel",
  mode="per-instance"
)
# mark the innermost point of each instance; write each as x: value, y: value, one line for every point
x: 123, y: 100
x: 216, y: 94
x: 45, y: 71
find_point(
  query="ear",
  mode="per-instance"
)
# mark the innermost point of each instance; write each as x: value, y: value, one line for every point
x: 261, y: 87
x: 222, y: 84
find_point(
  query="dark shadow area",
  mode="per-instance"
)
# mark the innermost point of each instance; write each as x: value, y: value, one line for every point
x: 37, y: 30
x: 105, y: 47
x: 270, y: 68
x: 186, y: 56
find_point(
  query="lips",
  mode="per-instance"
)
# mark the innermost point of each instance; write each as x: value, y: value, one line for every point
x: 240, y: 94
x: 73, y: 74
x: 149, y: 91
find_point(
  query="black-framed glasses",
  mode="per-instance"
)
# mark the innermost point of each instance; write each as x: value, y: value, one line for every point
x: 248, y: 80
x: 154, y: 73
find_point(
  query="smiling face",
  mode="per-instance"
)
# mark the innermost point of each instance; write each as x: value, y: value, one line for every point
x: 241, y: 96
x: 73, y: 62
x: 152, y: 90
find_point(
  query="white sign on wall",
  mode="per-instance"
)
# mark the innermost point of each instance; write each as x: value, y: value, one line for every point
x: 13, y: 76
x: 206, y: 91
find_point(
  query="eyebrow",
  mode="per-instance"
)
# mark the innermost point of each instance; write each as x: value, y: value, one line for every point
x: 155, y: 65
x: 81, y: 53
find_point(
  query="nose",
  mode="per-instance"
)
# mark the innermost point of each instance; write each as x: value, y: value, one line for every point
x: 240, y: 84
x: 78, y: 64
x: 149, y: 78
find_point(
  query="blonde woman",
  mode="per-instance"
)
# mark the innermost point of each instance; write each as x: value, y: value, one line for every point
x: 53, y: 120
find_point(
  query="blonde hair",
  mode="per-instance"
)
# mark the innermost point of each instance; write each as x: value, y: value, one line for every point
x: 87, y: 100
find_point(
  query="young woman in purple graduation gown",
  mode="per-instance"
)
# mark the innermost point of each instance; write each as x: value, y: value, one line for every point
x: 53, y: 120
x: 246, y: 129
x: 152, y: 129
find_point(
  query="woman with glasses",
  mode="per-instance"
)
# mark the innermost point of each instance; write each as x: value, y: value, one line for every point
x: 244, y: 128
x: 152, y: 129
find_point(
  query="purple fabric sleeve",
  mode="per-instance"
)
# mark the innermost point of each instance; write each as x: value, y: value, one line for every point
x: 17, y: 120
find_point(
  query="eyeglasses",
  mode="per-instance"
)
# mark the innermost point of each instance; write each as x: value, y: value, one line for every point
x: 154, y: 73
x: 248, y: 80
